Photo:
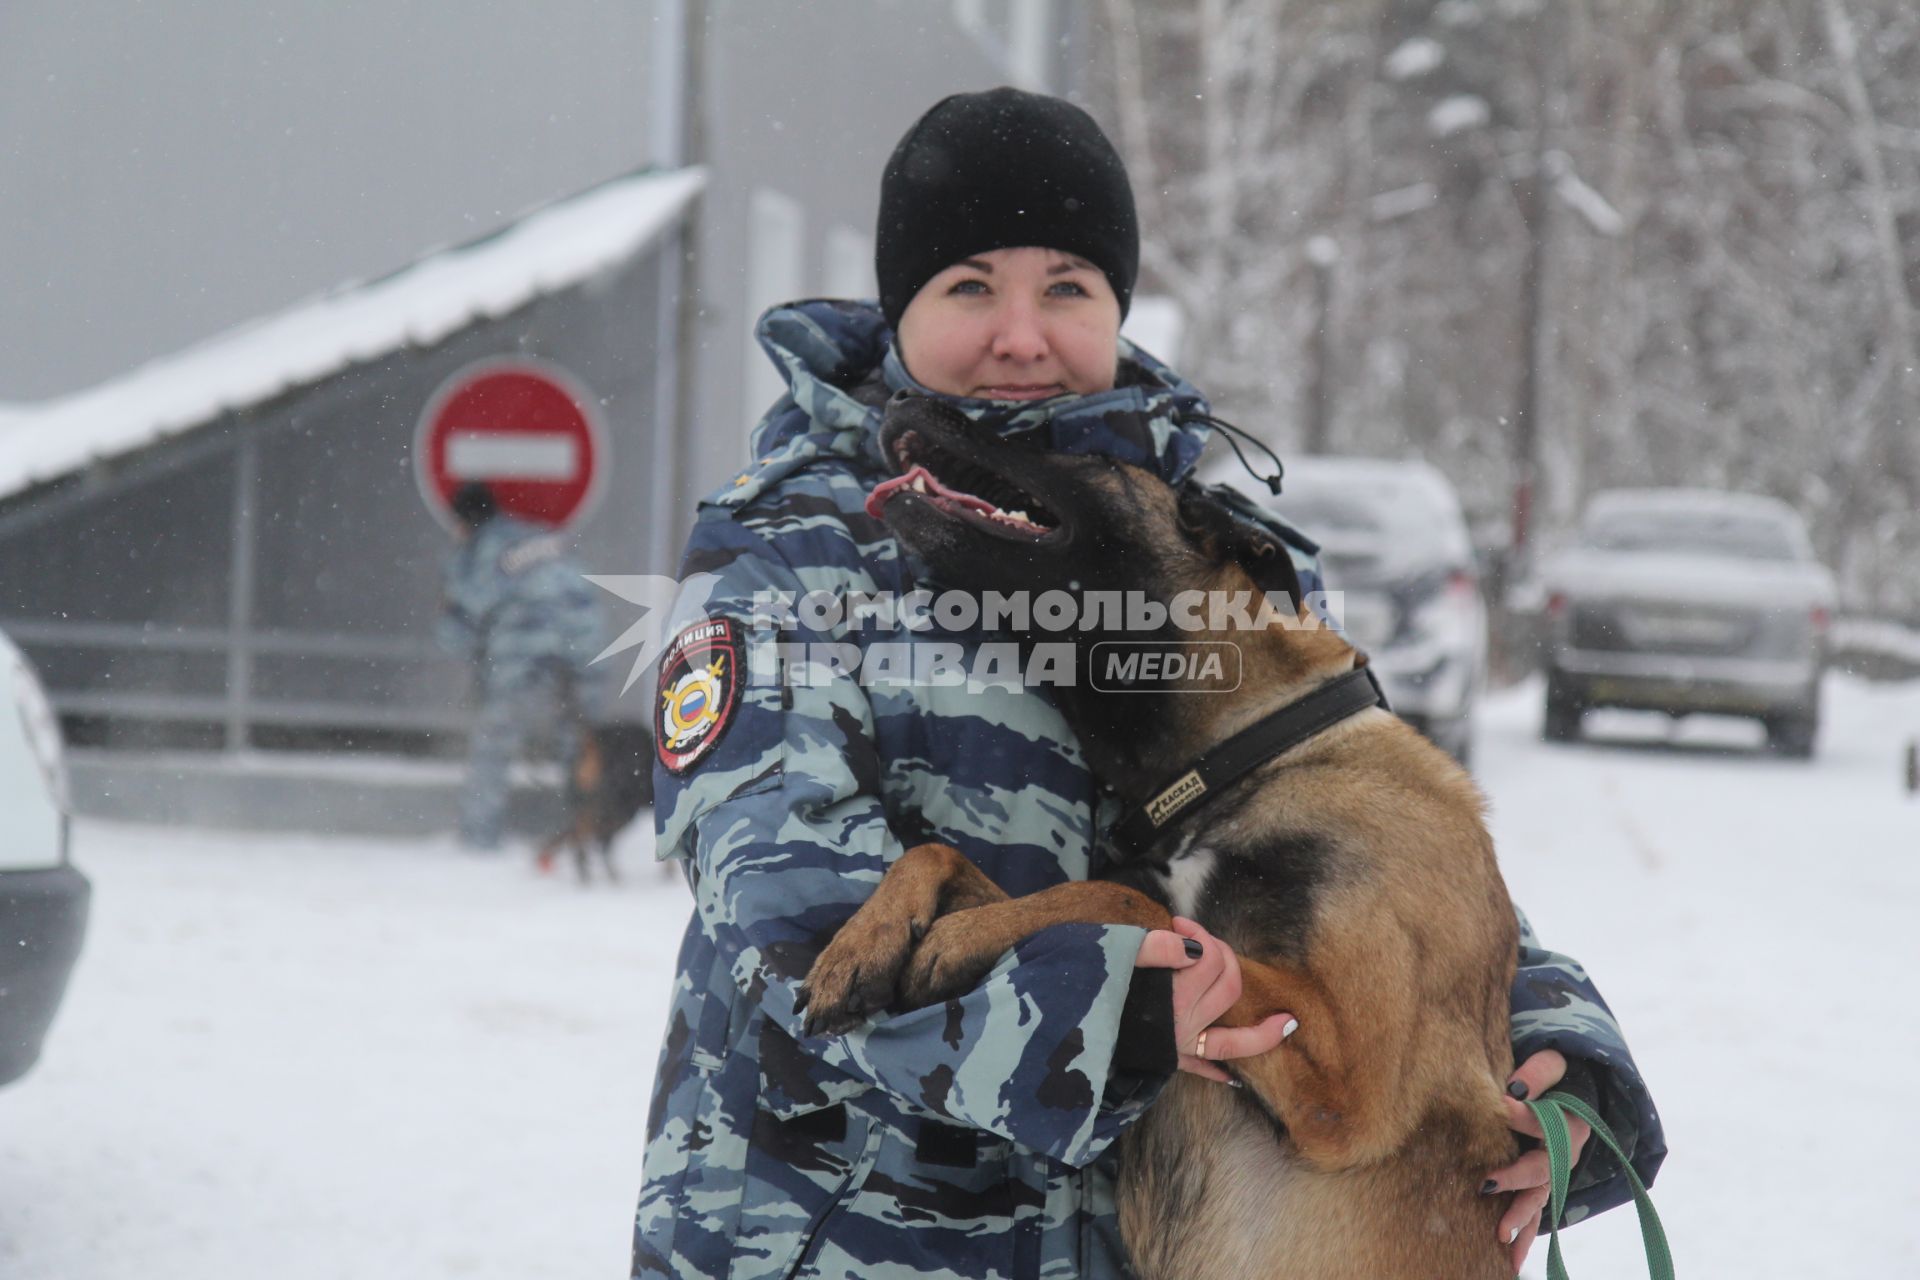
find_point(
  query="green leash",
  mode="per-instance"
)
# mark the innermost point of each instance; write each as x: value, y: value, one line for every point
x: 1552, y: 1111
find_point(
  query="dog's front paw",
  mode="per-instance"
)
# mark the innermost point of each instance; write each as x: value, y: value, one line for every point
x: 951, y: 959
x: 857, y: 975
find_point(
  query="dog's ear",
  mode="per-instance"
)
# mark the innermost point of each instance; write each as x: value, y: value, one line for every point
x: 1220, y: 533
x: 1209, y: 526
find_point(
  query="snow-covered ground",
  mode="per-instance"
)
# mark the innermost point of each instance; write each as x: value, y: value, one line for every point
x: 308, y: 1058
x: 332, y: 1059
x: 1752, y: 922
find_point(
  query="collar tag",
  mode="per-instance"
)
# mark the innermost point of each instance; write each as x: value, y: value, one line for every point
x: 1185, y: 790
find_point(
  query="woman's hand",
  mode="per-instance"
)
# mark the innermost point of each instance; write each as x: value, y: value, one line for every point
x: 1206, y: 983
x: 1527, y: 1176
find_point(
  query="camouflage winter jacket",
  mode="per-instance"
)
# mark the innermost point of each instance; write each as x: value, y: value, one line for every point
x: 967, y: 1140
x: 514, y: 600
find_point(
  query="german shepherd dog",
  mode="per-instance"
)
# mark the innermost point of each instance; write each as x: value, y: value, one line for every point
x: 609, y: 781
x: 1352, y: 874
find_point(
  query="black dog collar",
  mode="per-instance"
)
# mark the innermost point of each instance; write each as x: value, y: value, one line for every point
x: 1215, y: 771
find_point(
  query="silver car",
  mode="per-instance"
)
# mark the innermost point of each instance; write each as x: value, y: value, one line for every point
x: 1394, y: 546
x: 1685, y: 600
x: 43, y: 899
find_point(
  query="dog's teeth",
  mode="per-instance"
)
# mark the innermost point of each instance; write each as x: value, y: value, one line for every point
x: 1021, y: 516
x: 920, y: 484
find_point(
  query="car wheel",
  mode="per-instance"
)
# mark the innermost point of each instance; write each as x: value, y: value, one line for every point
x: 1564, y: 713
x: 1792, y: 736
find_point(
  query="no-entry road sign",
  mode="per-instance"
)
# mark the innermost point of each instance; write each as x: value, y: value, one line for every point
x: 526, y: 427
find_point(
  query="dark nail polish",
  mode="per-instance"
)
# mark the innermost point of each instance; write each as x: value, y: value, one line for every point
x: 1488, y: 1187
x: 1518, y: 1089
x: 1194, y: 949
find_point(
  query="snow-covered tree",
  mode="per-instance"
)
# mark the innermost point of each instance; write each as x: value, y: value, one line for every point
x: 1618, y: 241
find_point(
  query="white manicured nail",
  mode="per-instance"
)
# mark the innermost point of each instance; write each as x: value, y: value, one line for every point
x: 1293, y: 1025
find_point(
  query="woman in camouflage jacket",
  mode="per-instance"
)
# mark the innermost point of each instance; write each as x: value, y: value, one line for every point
x: 971, y: 1139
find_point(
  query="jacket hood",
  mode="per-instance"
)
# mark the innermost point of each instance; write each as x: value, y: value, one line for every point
x: 840, y: 366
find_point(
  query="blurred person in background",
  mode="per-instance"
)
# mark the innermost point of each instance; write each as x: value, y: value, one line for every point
x: 517, y: 607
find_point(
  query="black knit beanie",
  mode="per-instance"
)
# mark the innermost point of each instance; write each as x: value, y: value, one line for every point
x: 1002, y: 170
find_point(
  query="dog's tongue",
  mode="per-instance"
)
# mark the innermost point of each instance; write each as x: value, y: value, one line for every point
x: 887, y: 488
x: 921, y: 480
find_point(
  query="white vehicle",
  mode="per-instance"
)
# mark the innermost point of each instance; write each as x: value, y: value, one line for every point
x: 1688, y: 600
x: 43, y: 898
x: 1394, y: 545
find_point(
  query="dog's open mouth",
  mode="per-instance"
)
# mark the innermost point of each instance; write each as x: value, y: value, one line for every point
x: 961, y: 489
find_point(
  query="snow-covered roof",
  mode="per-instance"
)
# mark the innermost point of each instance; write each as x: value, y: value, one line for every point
x: 550, y: 249
x: 1381, y: 484
x: 1340, y: 469
x: 1716, y: 502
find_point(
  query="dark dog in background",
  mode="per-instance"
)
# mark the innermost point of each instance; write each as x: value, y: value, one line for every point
x: 610, y: 781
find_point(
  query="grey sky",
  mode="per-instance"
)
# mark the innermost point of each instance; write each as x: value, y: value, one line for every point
x: 169, y: 170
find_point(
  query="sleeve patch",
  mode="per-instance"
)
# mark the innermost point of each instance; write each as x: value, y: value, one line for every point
x: 700, y: 681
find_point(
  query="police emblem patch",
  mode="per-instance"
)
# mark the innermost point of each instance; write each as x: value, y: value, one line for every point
x: 700, y: 680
